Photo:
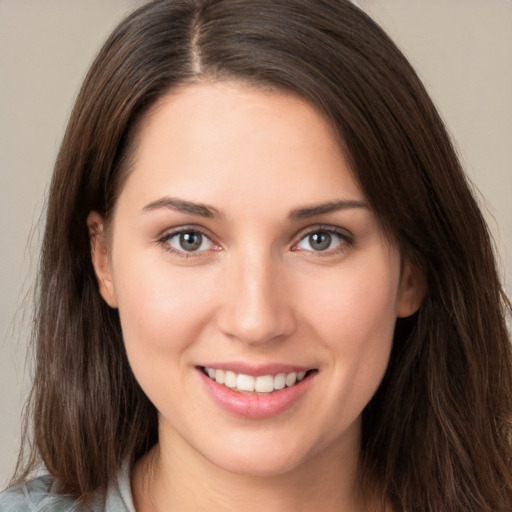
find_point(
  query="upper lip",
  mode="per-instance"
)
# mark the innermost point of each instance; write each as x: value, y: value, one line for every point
x: 256, y: 370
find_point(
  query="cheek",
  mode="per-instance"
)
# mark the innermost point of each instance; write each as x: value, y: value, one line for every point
x: 354, y: 314
x: 163, y: 312
x: 358, y: 299
x: 162, y: 308
x: 357, y: 328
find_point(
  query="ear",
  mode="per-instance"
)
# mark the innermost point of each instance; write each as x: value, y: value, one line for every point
x: 413, y: 287
x: 100, y: 258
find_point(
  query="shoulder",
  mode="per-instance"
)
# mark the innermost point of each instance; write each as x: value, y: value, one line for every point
x: 36, y: 496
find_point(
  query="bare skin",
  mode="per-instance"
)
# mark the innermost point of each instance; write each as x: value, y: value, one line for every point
x: 240, y: 241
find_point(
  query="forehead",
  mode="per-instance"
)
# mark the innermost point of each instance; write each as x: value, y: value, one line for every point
x: 212, y: 140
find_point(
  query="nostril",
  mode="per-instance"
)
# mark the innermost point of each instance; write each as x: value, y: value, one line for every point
x: 257, y: 325
x: 257, y: 307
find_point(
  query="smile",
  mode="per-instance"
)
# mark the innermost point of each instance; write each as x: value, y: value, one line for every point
x: 258, y: 392
x: 262, y: 384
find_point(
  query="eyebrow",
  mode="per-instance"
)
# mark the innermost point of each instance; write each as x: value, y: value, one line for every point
x: 324, y: 208
x: 210, y: 212
x: 188, y: 207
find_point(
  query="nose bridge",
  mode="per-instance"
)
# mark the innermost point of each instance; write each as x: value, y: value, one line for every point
x: 257, y: 307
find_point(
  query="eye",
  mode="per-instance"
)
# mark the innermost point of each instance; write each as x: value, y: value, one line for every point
x: 323, y: 240
x: 187, y: 241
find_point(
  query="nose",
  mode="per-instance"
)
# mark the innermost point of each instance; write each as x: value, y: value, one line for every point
x: 257, y: 306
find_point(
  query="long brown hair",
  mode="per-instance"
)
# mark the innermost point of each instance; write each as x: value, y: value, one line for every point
x: 437, y: 434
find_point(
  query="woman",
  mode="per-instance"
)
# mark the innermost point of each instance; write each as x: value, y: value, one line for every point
x: 265, y: 283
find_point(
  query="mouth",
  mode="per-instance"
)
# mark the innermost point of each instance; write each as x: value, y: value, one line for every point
x: 256, y: 385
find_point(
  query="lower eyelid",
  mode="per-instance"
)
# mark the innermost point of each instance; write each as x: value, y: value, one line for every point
x: 344, y: 239
x: 165, y: 239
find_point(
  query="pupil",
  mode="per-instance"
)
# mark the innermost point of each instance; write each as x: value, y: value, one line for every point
x: 191, y: 241
x: 320, y: 241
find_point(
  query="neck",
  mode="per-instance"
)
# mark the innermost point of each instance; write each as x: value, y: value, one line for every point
x: 174, y: 477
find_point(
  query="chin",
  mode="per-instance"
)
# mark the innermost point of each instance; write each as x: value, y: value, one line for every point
x: 258, y: 466
x: 260, y: 459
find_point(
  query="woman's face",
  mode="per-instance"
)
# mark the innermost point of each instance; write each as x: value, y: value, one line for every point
x: 256, y: 291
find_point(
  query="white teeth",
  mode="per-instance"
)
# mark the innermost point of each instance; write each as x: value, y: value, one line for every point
x: 280, y: 381
x: 264, y: 384
x: 251, y: 384
x: 291, y: 379
x: 220, y: 376
x: 230, y: 380
x: 245, y: 382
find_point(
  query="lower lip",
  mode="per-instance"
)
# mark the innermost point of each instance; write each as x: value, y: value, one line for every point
x: 255, y: 406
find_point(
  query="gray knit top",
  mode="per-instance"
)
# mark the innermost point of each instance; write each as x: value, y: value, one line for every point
x: 36, y: 496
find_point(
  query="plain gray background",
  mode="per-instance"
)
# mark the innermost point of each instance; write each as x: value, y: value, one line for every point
x: 462, y: 49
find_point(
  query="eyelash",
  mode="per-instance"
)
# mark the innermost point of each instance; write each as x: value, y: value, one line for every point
x: 346, y: 241
x: 164, y: 241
